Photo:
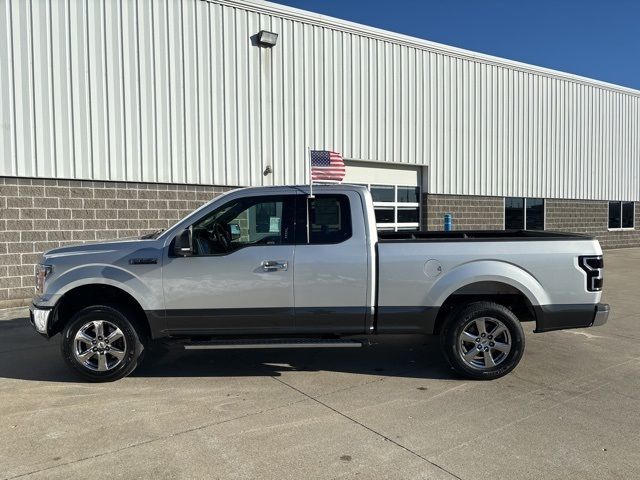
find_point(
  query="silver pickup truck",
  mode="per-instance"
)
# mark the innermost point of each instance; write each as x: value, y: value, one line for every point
x: 274, y: 267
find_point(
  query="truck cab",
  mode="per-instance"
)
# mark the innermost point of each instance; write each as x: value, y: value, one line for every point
x: 235, y: 267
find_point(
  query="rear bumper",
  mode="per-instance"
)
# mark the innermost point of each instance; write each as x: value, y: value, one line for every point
x: 602, y: 314
x: 561, y: 317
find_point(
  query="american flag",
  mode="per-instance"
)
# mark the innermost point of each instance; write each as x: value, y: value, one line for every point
x: 326, y: 165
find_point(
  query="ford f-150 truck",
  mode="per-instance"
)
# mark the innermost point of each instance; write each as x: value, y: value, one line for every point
x: 275, y: 267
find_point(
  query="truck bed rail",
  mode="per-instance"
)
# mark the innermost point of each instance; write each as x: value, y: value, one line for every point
x: 478, y: 236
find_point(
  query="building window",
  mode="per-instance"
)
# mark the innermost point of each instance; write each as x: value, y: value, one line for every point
x: 621, y: 215
x: 514, y: 213
x: 523, y: 213
x: 534, y: 214
x: 397, y: 207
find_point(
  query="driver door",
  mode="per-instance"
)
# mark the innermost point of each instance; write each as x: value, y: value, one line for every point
x: 243, y: 285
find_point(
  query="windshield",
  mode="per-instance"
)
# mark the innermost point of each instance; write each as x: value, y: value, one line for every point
x: 161, y: 232
x: 152, y: 235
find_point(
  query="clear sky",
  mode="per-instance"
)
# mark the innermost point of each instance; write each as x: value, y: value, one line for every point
x: 596, y: 39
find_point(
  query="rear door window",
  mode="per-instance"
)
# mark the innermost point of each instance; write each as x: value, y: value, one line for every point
x: 329, y: 219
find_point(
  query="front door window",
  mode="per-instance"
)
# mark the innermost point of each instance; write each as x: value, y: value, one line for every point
x: 243, y: 223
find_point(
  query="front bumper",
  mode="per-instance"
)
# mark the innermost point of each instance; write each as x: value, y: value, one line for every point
x: 40, y: 318
x: 562, y: 317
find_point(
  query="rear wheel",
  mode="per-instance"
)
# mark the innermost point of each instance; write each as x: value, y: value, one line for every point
x: 101, y: 344
x: 483, y: 340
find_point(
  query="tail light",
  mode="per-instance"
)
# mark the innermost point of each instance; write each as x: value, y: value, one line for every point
x: 593, y: 265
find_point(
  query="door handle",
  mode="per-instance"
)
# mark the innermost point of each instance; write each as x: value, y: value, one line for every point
x: 273, y: 265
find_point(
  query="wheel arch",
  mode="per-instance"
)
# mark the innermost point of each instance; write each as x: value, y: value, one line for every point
x: 493, y: 271
x: 86, y: 295
x: 499, y: 292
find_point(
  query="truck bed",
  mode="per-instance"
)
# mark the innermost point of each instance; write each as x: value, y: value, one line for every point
x: 478, y: 236
x: 418, y: 271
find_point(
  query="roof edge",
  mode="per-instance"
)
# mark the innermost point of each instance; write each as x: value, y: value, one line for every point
x: 291, y: 13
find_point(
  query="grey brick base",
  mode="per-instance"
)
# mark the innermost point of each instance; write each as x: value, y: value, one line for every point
x: 483, y: 213
x: 36, y: 215
x: 469, y: 212
x: 592, y: 217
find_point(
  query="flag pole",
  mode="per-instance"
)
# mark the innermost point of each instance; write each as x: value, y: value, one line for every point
x: 308, y: 202
x: 310, y: 174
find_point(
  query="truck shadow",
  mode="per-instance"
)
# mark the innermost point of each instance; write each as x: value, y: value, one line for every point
x: 24, y: 355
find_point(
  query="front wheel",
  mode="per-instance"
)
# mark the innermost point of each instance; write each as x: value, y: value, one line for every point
x: 483, y: 340
x: 101, y: 344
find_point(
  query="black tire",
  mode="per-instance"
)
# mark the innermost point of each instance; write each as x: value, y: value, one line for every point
x: 453, y: 348
x: 130, y: 344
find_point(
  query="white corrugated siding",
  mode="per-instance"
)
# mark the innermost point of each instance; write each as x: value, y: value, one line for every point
x: 173, y: 91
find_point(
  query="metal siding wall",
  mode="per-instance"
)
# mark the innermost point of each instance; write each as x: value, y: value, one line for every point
x: 173, y: 91
x: 8, y: 160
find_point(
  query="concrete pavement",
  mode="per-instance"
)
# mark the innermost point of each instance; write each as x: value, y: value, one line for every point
x: 394, y: 410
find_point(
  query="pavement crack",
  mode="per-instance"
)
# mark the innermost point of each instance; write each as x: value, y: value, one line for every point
x: 522, y: 419
x: 375, y: 432
x: 152, y: 440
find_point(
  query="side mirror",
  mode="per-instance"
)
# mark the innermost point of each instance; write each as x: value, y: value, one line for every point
x: 234, y: 230
x: 182, y: 245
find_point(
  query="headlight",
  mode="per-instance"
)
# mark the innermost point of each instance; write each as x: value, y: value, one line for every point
x: 42, y: 272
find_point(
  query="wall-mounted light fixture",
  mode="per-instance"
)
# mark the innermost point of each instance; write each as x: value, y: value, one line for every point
x: 267, y: 39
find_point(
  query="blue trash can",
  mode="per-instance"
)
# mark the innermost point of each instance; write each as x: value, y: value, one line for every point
x: 448, y: 222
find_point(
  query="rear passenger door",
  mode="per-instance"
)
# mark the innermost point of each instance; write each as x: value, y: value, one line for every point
x: 331, y: 264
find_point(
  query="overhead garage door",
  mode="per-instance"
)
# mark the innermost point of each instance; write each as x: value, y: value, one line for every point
x: 395, y: 191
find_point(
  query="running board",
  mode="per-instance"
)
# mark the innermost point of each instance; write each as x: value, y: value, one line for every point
x: 272, y: 343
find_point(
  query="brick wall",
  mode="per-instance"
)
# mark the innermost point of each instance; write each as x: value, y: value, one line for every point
x: 469, y: 212
x: 482, y: 213
x: 36, y: 215
x: 592, y: 217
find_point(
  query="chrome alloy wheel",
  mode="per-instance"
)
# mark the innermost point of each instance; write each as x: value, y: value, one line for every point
x: 484, y: 342
x: 99, y: 345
